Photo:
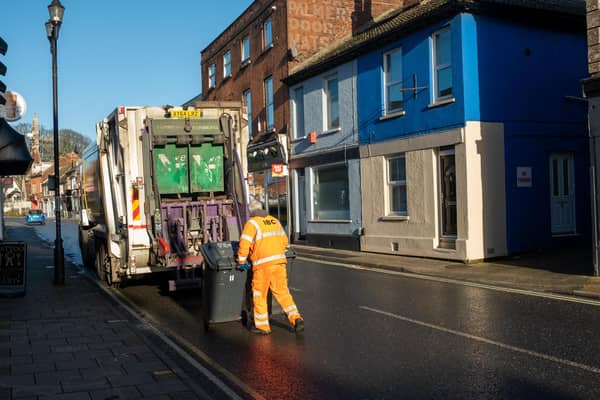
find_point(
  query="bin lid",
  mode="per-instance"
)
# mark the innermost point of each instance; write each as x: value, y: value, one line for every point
x: 220, y: 255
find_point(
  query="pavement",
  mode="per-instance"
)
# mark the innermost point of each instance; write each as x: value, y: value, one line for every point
x: 77, y: 341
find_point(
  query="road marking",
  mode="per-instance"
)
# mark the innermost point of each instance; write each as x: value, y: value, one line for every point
x: 416, y: 275
x: 487, y: 341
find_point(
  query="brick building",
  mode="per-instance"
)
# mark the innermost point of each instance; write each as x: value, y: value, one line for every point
x: 251, y: 57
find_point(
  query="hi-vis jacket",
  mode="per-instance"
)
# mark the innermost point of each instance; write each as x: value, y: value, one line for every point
x: 264, y: 239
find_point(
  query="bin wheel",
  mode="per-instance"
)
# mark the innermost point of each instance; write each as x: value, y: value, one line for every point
x: 247, y: 319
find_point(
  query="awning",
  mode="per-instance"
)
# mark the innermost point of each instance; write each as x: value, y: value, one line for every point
x: 15, y: 158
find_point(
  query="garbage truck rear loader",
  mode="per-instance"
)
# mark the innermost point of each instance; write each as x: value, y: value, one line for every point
x: 157, y: 184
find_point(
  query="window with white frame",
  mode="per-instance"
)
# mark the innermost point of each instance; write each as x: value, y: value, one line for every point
x: 212, y: 79
x: 330, y: 193
x: 332, y: 103
x: 298, y: 113
x: 245, y: 49
x: 267, y: 33
x: 227, y: 64
x: 269, y: 106
x: 442, y: 64
x: 248, y: 103
x: 396, y: 185
x: 392, y: 75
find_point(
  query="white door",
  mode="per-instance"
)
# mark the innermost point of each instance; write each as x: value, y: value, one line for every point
x: 562, y: 193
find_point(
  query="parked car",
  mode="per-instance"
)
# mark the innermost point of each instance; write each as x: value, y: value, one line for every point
x: 35, y: 217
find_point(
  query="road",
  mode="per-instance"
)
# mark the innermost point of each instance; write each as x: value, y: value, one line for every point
x: 378, y: 335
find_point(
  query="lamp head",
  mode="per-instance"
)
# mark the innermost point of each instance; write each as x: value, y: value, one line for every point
x: 56, y: 11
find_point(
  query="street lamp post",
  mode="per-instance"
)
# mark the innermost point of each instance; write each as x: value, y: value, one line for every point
x: 56, y: 10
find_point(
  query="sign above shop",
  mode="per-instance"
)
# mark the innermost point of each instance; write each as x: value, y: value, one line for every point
x: 279, y: 170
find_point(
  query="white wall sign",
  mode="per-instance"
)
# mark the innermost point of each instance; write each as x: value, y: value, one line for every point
x: 524, y: 178
x: 15, y: 106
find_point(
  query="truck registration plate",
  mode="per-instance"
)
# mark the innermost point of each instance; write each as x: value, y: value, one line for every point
x: 185, y: 114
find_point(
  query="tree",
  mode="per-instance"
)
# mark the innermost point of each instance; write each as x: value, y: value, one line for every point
x: 69, y: 140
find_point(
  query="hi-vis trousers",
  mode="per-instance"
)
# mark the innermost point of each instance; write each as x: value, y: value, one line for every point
x: 272, y: 276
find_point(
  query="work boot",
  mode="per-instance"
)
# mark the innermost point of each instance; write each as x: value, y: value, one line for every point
x: 299, y: 325
x: 257, y: 331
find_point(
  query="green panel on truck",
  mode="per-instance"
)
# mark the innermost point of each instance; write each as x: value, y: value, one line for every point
x: 171, y: 169
x: 206, y: 168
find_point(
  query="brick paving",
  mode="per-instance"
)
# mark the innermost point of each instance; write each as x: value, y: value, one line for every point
x: 74, y: 342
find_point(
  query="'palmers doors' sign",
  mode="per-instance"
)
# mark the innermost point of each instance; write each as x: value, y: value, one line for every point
x: 13, y: 262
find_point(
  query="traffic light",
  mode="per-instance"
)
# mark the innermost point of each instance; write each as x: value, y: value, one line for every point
x: 3, y: 48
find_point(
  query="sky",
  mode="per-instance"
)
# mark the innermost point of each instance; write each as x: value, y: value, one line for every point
x: 110, y: 53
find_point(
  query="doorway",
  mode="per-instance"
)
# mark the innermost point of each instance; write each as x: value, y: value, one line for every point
x: 562, y: 194
x: 447, y: 194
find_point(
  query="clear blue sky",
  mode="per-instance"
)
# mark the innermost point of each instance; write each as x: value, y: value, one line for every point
x: 110, y: 53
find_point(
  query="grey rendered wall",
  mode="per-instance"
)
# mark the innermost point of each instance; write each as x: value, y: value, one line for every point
x: 330, y: 141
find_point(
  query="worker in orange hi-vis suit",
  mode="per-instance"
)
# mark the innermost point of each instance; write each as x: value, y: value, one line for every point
x: 264, y: 241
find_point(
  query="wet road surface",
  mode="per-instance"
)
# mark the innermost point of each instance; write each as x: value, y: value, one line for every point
x: 373, y: 335
x: 378, y: 336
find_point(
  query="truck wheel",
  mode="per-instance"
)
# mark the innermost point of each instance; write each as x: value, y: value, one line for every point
x: 99, y: 261
x: 104, y: 266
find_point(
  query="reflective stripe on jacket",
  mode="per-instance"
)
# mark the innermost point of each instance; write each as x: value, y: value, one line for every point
x: 264, y: 239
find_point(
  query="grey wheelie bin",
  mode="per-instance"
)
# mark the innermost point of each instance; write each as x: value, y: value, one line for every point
x: 223, y: 284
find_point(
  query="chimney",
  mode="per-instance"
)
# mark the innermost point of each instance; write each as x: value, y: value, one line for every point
x: 361, y: 15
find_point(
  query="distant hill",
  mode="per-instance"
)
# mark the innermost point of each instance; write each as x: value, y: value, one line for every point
x: 69, y: 140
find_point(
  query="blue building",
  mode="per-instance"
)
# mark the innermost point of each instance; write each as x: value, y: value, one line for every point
x: 472, y: 141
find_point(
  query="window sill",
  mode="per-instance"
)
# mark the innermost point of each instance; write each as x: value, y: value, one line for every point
x: 330, y: 221
x: 225, y: 79
x: 267, y: 48
x: 299, y: 139
x: 393, y: 115
x: 245, y: 63
x: 331, y: 131
x: 440, y: 103
x: 388, y: 218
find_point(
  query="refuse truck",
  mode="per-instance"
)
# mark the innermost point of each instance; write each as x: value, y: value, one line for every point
x: 157, y: 184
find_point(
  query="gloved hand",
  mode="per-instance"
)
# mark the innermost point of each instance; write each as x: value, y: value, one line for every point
x: 244, y: 267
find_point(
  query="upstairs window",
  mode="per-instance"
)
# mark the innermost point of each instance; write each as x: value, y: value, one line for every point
x: 332, y: 103
x: 212, y: 79
x: 442, y: 63
x: 227, y: 64
x: 248, y: 104
x: 269, y: 106
x: 392, y: 76
x: 245, y: 49
x: 396, y: 186
x: 267, y: 33
x: 298, y: 113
